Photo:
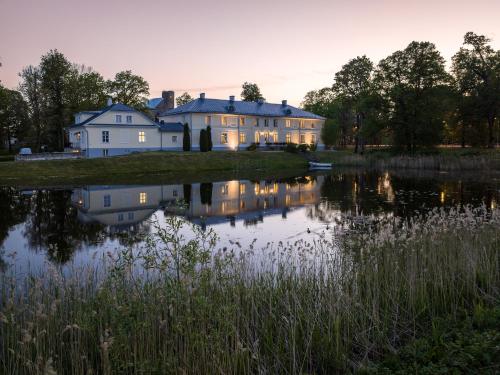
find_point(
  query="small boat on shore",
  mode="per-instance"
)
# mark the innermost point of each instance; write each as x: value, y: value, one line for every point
x: 314, y: 165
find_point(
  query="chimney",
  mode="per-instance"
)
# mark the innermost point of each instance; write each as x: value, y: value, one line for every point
x: 284, y: 103
x: 110, y: 102
x: 231, y: 98
x: 169, y: 99
x: 202, y: 95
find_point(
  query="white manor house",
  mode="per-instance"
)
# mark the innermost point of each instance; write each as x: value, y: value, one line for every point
x: 119, y: 129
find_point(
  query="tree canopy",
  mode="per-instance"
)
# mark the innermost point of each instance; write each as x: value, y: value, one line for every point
x: 129, y: 89
x: 251, y: 92
x: 183, y: 99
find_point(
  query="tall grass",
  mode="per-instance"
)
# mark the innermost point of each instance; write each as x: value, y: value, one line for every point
x: 180, y: 306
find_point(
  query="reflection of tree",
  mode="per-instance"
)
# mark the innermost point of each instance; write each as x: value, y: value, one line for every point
x: 14, y: 208
x: 53, y: 226
x: 187, y: 194
x: 206, y: 193
x: 131, y: 235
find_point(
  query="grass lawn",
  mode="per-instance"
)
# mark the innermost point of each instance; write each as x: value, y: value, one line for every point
x: 185, y: 166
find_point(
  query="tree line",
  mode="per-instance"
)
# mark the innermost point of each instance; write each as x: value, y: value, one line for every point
x: 50, y: 93
x: 410, y: 100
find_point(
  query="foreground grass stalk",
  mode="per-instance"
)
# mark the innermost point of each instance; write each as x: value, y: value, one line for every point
x: 180, y: 305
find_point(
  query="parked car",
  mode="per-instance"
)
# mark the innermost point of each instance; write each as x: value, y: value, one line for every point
x: 25, y: 151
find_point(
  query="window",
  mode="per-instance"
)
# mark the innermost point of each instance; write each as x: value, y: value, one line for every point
x: 105, y: 136
x: 208, y: 120
x: 302, y: 138
x: 257, y: 138
x: 174, y: 193
x: 143, y: 197
x: 223, y: 138
x: 242, y: 121
x: 142, y: 137
x: 313, y: 138
x: 118, y: 119
x: 131, y: 216
x: 287, y: 123
x: 129, y: 119
x: 257, y: 122
x: 78, y: 136
x: 224, y: 189
x: 243, y: 189
x: 243, y: 138
x: 288, y: 138
x: 301, y: 124
x: 174, y: 139
x: 275, y: 123
x: 105, y: 152
x: 107, y: 201
x: 224, y: 121
x: 120, y: 217
x: 266, y: 122
x: 312, y: 125
x: 275, y: 137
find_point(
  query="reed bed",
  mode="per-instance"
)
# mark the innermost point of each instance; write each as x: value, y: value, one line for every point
x: 179, y: 305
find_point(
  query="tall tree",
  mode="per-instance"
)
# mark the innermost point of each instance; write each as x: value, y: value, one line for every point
x: 476, y: 68
x: 87, y: 89
x: 413, y: 83
x: 251, y: 92
x: 30, y: 87
x: 14, y: 119
x: 186, y: 139
x: 203, y: 140
x: 209, y: 138
x: 353, y: 83
x: 183, y: 99
x: 54, y: 70
x: 129, y: 89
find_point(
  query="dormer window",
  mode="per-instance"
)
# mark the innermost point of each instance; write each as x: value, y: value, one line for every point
x: 129, y: 119
x: 118, y: 119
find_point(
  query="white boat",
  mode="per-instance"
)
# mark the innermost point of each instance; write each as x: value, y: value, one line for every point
x: 314, y: 165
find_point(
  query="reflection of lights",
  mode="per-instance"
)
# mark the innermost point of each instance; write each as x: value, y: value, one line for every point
x: 442, y: 197
x: 288, y: 199
x: 493, y: 204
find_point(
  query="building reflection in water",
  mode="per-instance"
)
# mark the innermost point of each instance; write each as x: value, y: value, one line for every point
x: 124, y: 208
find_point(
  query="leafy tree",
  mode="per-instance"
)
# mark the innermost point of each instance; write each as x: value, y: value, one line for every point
x: 203, y: 140
x: 31, y: 88
x: 330, y: 133
x: 476, y: 68
x: 353, y: 83
x: 251, y: 92
x: 186, y: 139
x: 183, y: 99
x: 14, y: 119
x: 413, y: 83
x: 209, y: 138
x: 129, y: 89
x: 87, y: 89
x: 54, y: 71
x: 320, y: 102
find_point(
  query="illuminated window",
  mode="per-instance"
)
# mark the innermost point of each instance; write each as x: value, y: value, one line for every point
x: 288, y: 138
x: 208, y: 120
x: 224, y: 120
x: 243, y: 189
x: 118, y: 119
x: 105, y: 136
x: 143, y: 197
x: 287, y: 123
x: 275, y: 123
x: 242, y: 121
x: 243, y: 138
x: 129, y: 119
x: 302, y: 138
x: 275, y: 137
x: 257, y: 138
x: 266, y: 122
x: 242, y: 205
x: 223, y: 138
x: 313, y: 138
x: 78, y: 136
x: 107, y: 201
x: 142, y: 137
x: 224, y: 189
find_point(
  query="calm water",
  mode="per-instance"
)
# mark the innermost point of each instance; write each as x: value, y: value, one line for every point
x: 75, y: 225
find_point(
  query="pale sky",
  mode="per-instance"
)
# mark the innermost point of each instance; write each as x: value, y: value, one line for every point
x: 287, y: 47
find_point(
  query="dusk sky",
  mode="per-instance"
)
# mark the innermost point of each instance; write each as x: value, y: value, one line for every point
x: 286, y: 47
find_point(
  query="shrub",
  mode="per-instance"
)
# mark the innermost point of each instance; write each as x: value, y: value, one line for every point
x: 292, y: 148
x: 313, y: 147
x: 252, y: 147
x: 303, y: 147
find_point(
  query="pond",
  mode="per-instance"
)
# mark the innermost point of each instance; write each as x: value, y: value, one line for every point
x: 76, y: 225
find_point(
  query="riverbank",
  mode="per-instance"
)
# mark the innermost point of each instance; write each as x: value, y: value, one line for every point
x: 302, y: 308
x: 182, y: 167
x: 440, y: 159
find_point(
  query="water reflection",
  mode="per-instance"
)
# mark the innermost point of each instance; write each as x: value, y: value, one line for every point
x: 59, y: 222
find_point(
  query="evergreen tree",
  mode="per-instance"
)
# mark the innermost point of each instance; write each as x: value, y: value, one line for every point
x: 203, y: 140
x: 186, y: 139
x: 209, y: 138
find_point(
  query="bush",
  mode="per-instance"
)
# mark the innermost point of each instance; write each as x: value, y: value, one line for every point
x: 303, y: 147
x: 313, y: 147
x: 292, y: 148
x: 252, y: 147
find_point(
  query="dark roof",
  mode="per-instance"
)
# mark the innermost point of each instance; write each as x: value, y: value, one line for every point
x: 113, y: 107
x: 240, y: 107
x: 153, y: 103
x: 171, y: 127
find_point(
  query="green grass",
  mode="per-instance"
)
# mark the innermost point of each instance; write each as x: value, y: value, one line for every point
x: 141, y: 167
x: 324, y: 308
x: 445, y: 159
